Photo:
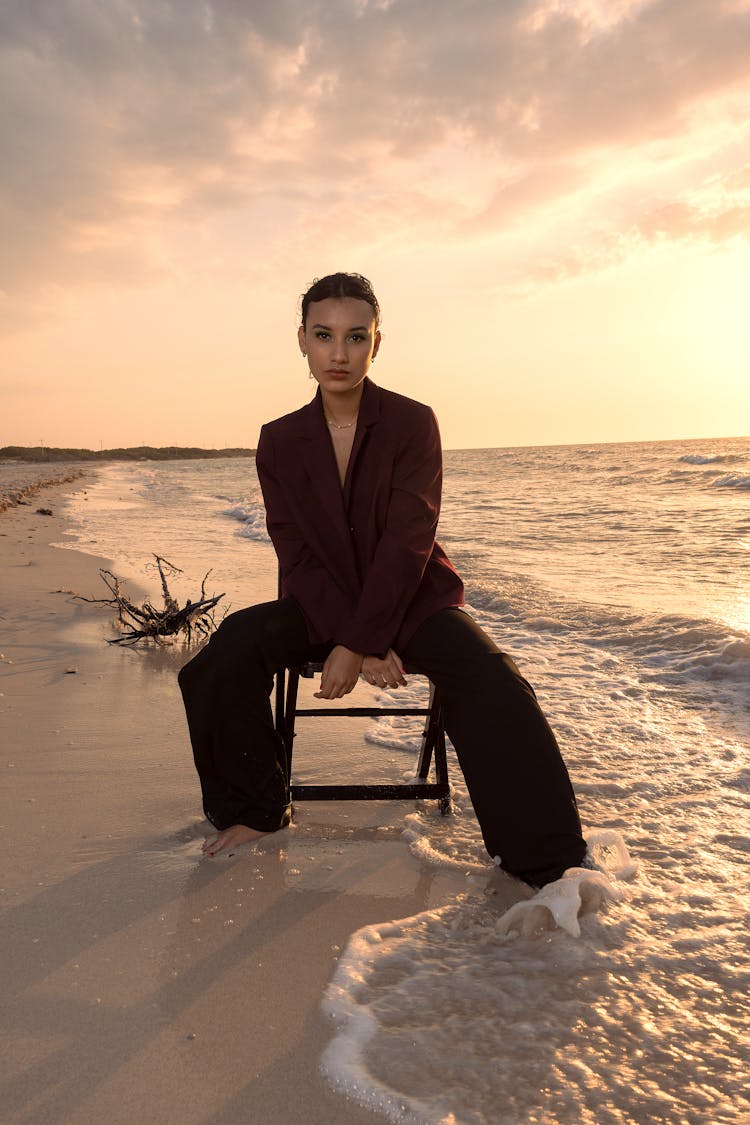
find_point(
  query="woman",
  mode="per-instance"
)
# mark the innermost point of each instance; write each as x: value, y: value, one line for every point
x: 351, y: 484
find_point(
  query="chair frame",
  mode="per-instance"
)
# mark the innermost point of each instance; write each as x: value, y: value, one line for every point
x: 432, y: 745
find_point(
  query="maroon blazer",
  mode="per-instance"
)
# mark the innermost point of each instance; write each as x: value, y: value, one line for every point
x: 362, y: 562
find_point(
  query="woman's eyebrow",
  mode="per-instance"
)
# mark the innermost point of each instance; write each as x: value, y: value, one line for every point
x: 354, y: 328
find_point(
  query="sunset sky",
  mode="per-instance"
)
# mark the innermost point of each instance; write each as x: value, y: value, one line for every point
x: 551, y: 198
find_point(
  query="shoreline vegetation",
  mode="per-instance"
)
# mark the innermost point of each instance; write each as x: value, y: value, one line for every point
x: 41, y: 453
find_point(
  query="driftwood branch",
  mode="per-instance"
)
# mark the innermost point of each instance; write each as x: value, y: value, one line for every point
x: 147, y: 621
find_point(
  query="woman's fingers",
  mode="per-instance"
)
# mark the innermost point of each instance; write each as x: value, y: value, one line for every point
x: 384, y: 672
x: 396, y: 668
x: 334, y: 688
x: 340, y: 673
x: 332, y: 693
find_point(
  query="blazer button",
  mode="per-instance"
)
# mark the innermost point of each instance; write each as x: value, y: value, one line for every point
x: 352, y: 530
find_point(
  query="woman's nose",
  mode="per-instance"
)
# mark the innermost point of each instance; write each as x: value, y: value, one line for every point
x: 340, y: 351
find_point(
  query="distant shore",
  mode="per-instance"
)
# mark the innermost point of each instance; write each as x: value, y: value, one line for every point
x: 41, y: 454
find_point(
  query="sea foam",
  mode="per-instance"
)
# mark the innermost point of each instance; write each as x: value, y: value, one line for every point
x: 580, y: 891
x: 422, y: 1005
x: 252, y: 517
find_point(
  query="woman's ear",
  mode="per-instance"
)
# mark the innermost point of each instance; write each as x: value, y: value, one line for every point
x: 301, y: 339
x: 376, y: 344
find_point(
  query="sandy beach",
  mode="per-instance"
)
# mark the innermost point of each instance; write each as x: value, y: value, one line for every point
x: 143, y: 983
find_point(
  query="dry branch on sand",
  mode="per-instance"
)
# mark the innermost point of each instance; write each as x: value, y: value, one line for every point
x: 148, y: 622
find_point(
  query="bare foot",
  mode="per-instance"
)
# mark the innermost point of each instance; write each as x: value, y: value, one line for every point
x: 231, y: 838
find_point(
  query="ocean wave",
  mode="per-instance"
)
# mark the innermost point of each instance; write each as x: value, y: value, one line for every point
x: 253, y: 519
x: 705, y: 459
x: 732, y: 480
x: 707, y: 660
x: 699, y: 665
x: 520, y: 597
x: 710, y: 649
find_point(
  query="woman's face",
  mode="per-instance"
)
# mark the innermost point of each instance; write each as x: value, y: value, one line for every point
x: 340, y: 341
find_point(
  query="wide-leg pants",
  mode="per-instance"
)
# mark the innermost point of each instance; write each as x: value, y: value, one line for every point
x: 517, y: 780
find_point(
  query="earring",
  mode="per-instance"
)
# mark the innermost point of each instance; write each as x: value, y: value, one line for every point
x: 311, y: 376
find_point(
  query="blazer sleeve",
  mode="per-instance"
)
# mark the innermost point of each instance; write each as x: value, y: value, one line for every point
x: 304, y: 576
x: 405, y: 545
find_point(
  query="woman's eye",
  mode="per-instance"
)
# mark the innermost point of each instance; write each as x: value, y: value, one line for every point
x: 321, y: 335
x: 357, y: 337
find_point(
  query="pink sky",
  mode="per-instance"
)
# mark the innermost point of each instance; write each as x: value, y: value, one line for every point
x: 552, y: 200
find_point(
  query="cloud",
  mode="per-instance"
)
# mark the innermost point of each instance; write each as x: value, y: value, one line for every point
x: 536, y: 186
x: 716, y: 213
x: 122, y: 119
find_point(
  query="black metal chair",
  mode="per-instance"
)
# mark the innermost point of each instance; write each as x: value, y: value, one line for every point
x: 432, y: 745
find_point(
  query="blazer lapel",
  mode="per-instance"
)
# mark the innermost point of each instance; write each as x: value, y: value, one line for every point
x: 369, y: 413
x: 322, y: 472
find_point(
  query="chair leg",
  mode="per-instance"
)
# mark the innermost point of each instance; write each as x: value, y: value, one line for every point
x: 433, y: 741
x: 290, y: 714
x: 430, y: 737
x: 441, y: 769
x: 279, y: 702
x: 279, y: 716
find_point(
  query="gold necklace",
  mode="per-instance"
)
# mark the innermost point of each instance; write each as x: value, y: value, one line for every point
x: 336, y: 426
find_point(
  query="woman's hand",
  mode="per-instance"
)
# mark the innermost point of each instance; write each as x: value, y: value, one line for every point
x: 340, y: 673
x: 385, y: 672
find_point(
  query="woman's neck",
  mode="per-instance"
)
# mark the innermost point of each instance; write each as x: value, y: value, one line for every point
x: 342, y: 409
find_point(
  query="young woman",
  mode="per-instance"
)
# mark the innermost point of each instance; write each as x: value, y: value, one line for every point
x: 351, y: 484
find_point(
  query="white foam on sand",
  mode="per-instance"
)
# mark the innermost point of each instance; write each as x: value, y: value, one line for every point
x: 580, y: 891
x: 425, y: 1005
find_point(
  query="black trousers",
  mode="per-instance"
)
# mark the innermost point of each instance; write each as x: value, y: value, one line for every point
x: 514, y: 771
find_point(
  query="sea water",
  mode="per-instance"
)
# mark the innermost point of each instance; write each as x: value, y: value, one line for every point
x: 617, y: 577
